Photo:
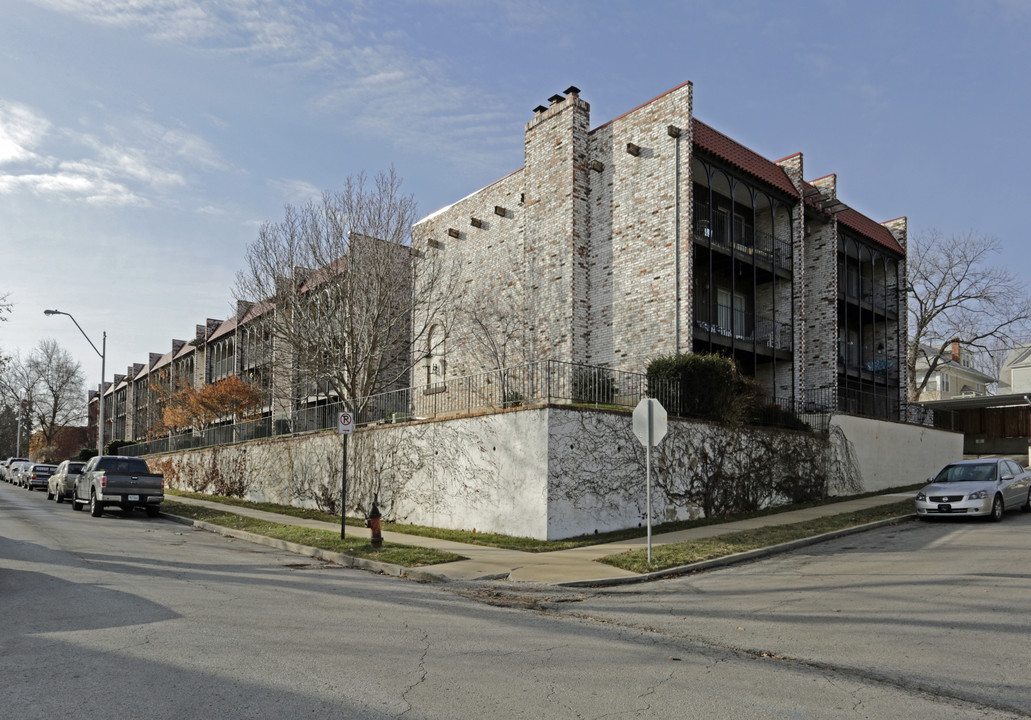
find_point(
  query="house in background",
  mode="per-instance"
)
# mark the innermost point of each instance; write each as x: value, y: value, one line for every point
x: 1015, y: 374
x: 954, y: 377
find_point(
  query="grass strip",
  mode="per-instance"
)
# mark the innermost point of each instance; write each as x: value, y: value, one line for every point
x: 525, y: 544
x: 685, y: 553
x: 305, y: 513
x: 403, y: 555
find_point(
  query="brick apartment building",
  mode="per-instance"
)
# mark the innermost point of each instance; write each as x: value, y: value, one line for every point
x: 241, y: 346
x: 656, y: 234
x: 649, y: 235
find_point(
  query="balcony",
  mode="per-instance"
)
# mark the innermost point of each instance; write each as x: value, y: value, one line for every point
x: 714, y: 230
x: 737, y: 326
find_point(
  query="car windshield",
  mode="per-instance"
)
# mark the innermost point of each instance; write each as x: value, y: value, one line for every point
x: 123, y: 465
x: 967, y: 472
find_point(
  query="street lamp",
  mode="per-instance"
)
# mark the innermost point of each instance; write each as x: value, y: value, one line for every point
x: 102, y: 353
x: 17, y: 442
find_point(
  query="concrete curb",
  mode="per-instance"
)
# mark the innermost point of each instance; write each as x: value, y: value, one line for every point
x: 382, y: 568
x: 737, y: 557
x: 429, y: 576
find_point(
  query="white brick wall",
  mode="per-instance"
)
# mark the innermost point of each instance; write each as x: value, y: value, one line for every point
x: 587, y: 251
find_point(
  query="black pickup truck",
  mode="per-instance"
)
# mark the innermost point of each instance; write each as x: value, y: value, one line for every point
x: 115, y: 480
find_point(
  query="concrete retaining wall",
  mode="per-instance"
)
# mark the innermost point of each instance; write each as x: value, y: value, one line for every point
x: 892, y: 454
x: 554, y: 472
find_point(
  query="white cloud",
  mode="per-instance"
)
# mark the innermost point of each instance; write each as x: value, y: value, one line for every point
x: 126, y: 165
x: 296, y: 192
x: 355, y: 64
x: 20, y: 131
x: 282, y: 31
x: 72, y: 184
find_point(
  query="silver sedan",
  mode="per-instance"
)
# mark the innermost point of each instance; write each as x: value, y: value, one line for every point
x: 987, y: 487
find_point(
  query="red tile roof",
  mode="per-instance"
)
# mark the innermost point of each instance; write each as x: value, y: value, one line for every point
x: 718, y: 144
x: 870, y: 228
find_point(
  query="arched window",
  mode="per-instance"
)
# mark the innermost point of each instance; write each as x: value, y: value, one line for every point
x: 435, y: 358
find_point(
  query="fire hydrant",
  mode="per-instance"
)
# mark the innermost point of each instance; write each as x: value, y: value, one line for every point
x: 374, y: 526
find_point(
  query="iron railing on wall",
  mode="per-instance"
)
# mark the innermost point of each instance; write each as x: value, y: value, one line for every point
x: 535, y: 383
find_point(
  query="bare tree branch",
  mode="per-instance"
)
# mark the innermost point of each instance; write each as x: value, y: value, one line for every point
x: 338, y: 279
x: 51, y: 385
x: 954, y: 294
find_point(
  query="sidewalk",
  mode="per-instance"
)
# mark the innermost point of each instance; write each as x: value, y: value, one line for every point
x: 577, y: 566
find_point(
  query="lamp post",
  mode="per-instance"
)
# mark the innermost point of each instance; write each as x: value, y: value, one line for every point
x: 102, y: 353
x: 17, y: 441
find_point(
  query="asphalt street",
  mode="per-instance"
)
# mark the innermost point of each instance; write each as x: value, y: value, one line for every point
x: 129, y: 617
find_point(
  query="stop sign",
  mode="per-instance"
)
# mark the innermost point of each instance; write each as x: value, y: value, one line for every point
x: 649, y: 422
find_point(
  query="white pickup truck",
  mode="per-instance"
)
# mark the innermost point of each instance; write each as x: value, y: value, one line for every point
x: 115, y: 480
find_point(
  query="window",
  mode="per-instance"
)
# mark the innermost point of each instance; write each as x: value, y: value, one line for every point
x: 742, y: 229
x: 848, y: 348
x: 435, y: 358
x: 945, y: 384
x: 722, y: 226
x: 730, y: 311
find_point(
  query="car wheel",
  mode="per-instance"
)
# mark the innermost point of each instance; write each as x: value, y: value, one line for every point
x: 95, y: 506
x: 59, y: 496
x: 153, y: 511
x: 1026, y: 507
x: 76, y: 505
x: 997, y: 509
x: 50, y: 495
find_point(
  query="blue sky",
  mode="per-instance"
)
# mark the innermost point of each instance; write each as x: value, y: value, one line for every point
x: 142, y: 142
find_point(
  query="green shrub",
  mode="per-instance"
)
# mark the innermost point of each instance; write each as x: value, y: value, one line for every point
x: 113, y: 446
x: 778, y: 417
x: 703, y: 386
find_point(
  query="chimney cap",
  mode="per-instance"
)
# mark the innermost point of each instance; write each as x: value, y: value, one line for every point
x: 572, y: 90
x: 555, y: 98
x: 539, y: 109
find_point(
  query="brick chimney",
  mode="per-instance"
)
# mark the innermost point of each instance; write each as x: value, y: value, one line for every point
x: 955, y: 350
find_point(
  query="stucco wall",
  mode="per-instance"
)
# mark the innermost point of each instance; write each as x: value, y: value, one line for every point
x: 892, y: 454
x: 546, y: 473
x: 487, y: 473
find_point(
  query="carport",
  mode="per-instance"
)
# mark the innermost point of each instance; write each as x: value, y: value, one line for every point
x: 991, y: 424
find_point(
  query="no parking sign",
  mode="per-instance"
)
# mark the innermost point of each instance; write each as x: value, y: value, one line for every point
x: 345, y: 423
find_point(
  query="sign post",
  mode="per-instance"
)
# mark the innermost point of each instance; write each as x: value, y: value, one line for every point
x: 650, y: 428
x: 345, y: 426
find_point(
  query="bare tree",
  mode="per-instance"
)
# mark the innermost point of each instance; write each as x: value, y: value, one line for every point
x: 340, y: 280
x: 954, y: 294
x: 498, y: 323
x: 60, y: 390
x: 51, y: 385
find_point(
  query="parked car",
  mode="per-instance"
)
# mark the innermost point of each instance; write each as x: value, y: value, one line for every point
x: 37, y: 475
x: 986, y: 487
x: 5, y: 467
x: 14, y: 473
x: 62, y: 483
x: 117, y: 480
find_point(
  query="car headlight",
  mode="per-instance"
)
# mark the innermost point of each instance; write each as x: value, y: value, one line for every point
x: 979, y: 495
x: 921, y: 497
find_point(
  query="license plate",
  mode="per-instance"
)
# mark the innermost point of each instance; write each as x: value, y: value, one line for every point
x: 944, y: 507
x: 133, y: 498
